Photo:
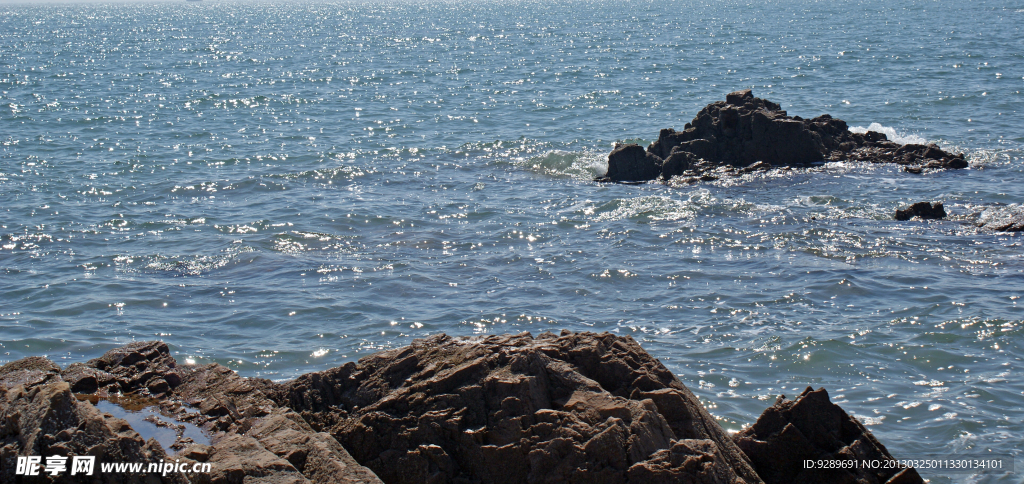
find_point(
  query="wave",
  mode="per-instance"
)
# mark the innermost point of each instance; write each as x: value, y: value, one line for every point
x: 576, y: 164
x: 903, y: 139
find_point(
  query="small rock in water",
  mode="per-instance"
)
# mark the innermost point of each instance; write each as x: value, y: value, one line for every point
x: 757, y: 166
x: 923, y: 210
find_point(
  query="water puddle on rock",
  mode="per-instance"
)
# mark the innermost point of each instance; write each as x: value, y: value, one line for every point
x: 144, y: 416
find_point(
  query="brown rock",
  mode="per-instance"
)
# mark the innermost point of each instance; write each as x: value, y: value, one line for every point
x: 126, y: 369
x: 197, y: 452
x: 39, y: 416
x: 688, y: 460
x: 236, y: 459
x: 255, y: 438
x: 812, y: 428
x: 317, y: 455
x: 276, y: 444
x: 579, y: 407
x: 570, y: 408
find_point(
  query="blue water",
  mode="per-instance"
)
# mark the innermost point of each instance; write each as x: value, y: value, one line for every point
x: 284, y: 187
x: 151, y: 424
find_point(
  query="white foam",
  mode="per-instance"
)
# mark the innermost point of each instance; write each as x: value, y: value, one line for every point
x: 999, y: 216
x: 577, y: 164
x: 903, y: 139
x: 867, y: 421
x: 653, y: 207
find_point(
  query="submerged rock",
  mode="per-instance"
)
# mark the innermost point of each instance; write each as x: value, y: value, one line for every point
x: 575, y: 407
x: 1008, y: 218
x: 922, y: 210
x: 744, y: 130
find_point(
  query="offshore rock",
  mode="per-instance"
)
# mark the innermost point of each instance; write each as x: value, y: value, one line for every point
x: 744, y: 130
x: 922, y: 210
x: 631, y: 162
x: 575, y: 407
x: 813, y: 428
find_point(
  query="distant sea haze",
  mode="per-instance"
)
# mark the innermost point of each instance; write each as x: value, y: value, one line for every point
x: 282, y: 187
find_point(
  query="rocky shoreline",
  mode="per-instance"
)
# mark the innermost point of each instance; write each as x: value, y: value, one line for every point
x: 575, y: 407
x: 744, y: 134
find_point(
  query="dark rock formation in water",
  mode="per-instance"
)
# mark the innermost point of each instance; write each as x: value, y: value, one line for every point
x: 575, y: 407
x: 632, y: 163
x: 744, y: 130
x: 922, y: 210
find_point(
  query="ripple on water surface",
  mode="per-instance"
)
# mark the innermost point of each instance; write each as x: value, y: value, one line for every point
x: 335, y: 179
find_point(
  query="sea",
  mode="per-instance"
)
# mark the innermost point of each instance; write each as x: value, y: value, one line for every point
x: 282, y: 187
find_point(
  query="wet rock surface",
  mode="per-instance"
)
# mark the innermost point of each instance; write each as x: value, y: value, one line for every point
x: 40, y: 416
x: 575, y: 407
x: 744, y: 130
x: 252, y: 439
x: 921, y: 210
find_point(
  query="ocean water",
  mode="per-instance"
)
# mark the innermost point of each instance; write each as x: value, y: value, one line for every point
x: 281, y: 187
